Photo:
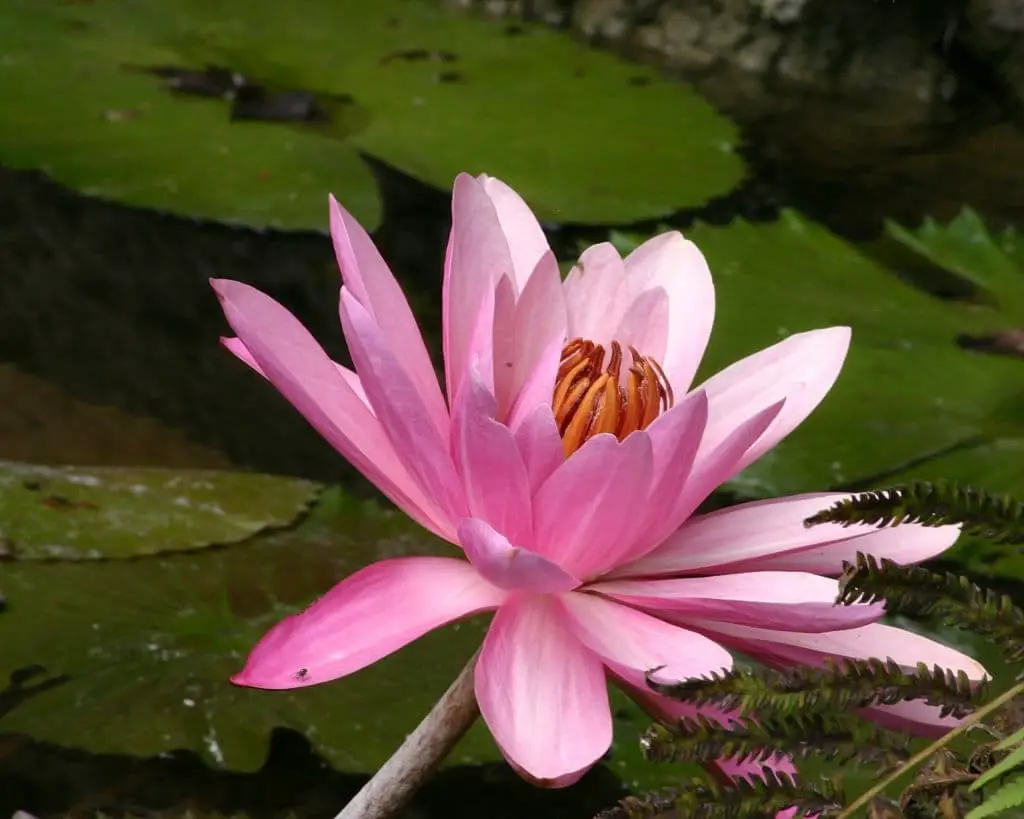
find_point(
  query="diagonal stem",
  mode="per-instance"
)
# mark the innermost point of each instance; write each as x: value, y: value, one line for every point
x: 424, y: 749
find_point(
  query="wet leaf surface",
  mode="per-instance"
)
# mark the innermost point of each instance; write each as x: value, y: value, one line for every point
x: 276, y: 103
x: 75, y: 513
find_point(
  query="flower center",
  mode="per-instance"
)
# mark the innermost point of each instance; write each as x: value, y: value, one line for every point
x: 591, y: 398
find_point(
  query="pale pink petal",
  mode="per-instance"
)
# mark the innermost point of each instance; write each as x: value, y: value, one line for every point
x: 477, y: 257
x: 591, y: 294
x: 540, y: 328
x: 626, y: 637
x: 540, y: 445
x: 367, y: 616
x: 537, y: 390
x: 780, y: 649
x: 400, y: 408
x: 586, y: 510
x: 542, y: 693
x: 666, y: 709
x: 237, y: 348
x: 703, y: 479
x: 914, y: 717
x: 644, y: 327
x: 771, y: 534
x: 369, y: 279
x: 494, y: 477
x: 675, y: 437
x: 788, y: 601
x: 676, y: 265
x: 507, y: 566
x: 526, y: 239
x: 503, y: 344
x: 290, y: 358
x: 799, y: 370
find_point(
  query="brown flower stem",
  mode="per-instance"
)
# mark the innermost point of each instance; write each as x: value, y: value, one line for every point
x: 424, y: 749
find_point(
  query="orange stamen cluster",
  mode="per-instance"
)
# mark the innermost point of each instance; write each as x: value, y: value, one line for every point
x: 589, y: 398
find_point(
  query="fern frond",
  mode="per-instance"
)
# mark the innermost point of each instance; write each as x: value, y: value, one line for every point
x: 999, y: 518
x: 918, y: 592
x: 843, y: 736
x: 837, y: 685
x: 752, y: 798
x: 1008, y: 796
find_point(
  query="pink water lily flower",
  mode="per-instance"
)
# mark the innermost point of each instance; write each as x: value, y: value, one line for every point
x: 566, y: 460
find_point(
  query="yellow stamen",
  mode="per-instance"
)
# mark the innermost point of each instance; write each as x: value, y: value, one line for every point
x: 591, y: 398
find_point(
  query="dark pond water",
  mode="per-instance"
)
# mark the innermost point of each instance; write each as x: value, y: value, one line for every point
x: 108, y: 355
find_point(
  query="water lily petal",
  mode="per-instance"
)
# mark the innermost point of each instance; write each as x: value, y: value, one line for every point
x: 800, y: 370
x: 487, y: 458
x: 507, y: 566
x: 478, y: 256
x: 591, y: 294
x: 400, y: 409
x: 240, y: 351
x: 367, y: 616
x: 675, y: 439
x: 771, y: 534
x: 526, y: 240
x: 626, y: 637
x: 644, y: 326
x: 542, y: 693
x: 788, y: 601
x: 369, y: 279
x: 582, y: 513
x: 674, y: 264
x: 291, y: 359
x: 540, y: 445
x: 503, y: 344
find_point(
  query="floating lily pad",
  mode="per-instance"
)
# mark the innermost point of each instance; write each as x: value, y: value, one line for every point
x: 107, y: 512
x: 148, y: 647
x: 910, y: 401
x: 251, y: 111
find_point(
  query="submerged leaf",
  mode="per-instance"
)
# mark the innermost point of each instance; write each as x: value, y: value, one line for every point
x: 75, y: 513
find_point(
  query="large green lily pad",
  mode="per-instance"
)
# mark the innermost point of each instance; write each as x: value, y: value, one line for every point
x: 910, y: 401
x: 106, y: 512
x: 149, y: 645
x: 585, y: 136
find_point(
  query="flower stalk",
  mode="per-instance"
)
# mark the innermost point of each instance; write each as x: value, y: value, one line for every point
x: 394, y: 785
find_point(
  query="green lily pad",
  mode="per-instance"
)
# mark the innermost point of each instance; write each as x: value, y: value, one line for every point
x: 428, y: 91
x: 148, y: 647
x: 966, y: 248
x: 910, y: 402
x: 81, y: 513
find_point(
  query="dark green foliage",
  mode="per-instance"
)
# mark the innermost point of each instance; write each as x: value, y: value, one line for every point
x: 838, y: 685
x: 918, y: 592
x: 998, y: 518
x: 753, y: 797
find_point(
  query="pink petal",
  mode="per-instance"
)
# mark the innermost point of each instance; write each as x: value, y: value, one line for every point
x: 914, y: 717
x: 625, y: 637
x: 784, y: 649
x: 675, y: 438
x: 771, y: 534
x: 503, y: 344
x: 494, y: 477
x: 730, y: 769
x: 540, y: 445
x: 540, y: 327
x: 542, y: 693
x: 478, y: 256
x: 799, y: 370
x: 290, y: 358
x: 400, y: 408
x: 367, y: 616
x: 526, y: 240
x: 788, y: 601
x: 582, y: 513
x: 369, y: 279
x: 676, y: 265
x: 644, y: 326
x: 507, y: 566
x: 236, y: 347
x: 591, y: 294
